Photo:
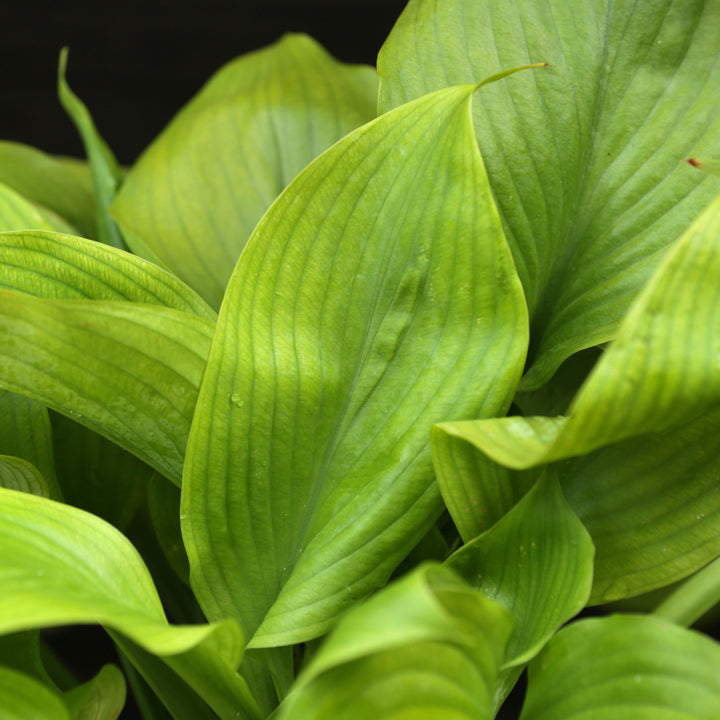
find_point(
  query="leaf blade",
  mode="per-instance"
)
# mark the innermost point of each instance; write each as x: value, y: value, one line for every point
x: 584, y: 157
x: 129, y: 371
x: 315, y: 382
x: 196, y: 194
x: 622, y: 664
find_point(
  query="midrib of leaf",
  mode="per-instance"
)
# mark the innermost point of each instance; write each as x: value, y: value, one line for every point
x: 591, y: 183
x: 560, y: 261
x: 372, y: 328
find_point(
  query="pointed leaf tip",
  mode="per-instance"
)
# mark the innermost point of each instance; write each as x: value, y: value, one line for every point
x: 505, y: 73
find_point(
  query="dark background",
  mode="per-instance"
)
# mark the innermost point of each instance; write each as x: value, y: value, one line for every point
x: 136, y: 63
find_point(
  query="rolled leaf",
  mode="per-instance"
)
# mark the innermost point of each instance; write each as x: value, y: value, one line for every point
x: 377, y: 296
x: 426, y: 646
x: 63, y: 566
x: 106, y: 172
x: 625, y: 666
x: 18, y: 474
x: 584, y: 157
x: 643, y: 430
x: 537, y: 561
x: 101, y: 698
x: 193, y: 198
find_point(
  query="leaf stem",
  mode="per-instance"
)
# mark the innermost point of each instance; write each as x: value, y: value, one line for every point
x: 693, y: 598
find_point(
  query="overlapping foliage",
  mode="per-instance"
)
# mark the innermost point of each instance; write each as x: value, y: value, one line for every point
x: 386, y: 375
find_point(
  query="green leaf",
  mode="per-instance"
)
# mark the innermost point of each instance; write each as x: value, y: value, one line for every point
x: 106, y: 173
x: 101, y: 698
x: 25, y: 432
x: 98, y: 476
x: 645, y: 425
x: 63, y: 267
x: 377, y: 296
x: 146, y: 699
x: 709, y: 166
x: 428, y: 645
x: 17, y: 213
x: 625, y: 667
x: 19, y: 474
x: 537, y: 561
x: 164, y: 507
x: 62, y: 566
x: 584, y: 157
x: 129, y: 371
x: 21, y: 651
x: 477, y: 491
x: 693, y: 598
x: 196, y: 194
x: 182, y: 702
x: 62, y: 185
x: 24, y: 698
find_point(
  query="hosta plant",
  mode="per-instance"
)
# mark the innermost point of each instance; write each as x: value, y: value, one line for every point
x: 359, y: 386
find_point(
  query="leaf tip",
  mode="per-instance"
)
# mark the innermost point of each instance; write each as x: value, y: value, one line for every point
x: 694, y: 162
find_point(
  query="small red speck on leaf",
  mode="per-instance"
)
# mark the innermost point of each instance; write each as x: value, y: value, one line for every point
x: 694, y: 162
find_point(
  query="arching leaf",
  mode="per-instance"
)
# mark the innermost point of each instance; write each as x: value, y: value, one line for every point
x: 584, y: 158
x: 639, y: 445
x: 376, y: 297
x: 196, y: 194
x: 428, y: 645
x: 625, y: 666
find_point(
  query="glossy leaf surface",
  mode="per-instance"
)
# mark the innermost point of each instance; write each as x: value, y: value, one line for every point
x: 376, y: 297
x: 537, y: 561
x: 63, y: 566
x: 584, y: 158
x: 129, y: 371
x: 625, y: 667
x: 643, y: 429
x: 428, y: 645
x: 194, y: 197
x: 63, y: 267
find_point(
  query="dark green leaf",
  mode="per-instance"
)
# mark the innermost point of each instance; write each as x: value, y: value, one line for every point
x: 643, y: 430
x: 25, y: 432
x: 106, y: 172
x: 583, y: 157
